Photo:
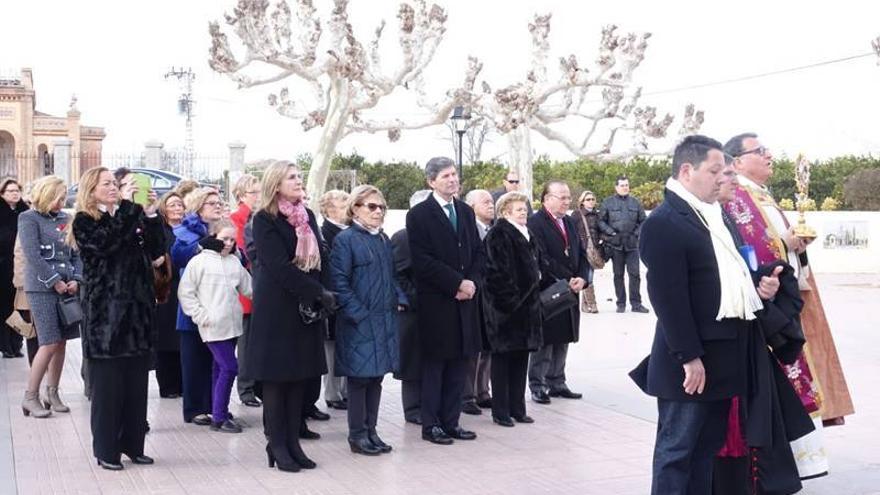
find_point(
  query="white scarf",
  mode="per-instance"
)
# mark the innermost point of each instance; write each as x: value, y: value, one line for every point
x: 739, y: 299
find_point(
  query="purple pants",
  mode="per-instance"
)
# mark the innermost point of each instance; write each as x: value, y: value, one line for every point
x: 224, y: 373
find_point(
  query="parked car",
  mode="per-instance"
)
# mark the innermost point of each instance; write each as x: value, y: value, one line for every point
x: 161, y: 181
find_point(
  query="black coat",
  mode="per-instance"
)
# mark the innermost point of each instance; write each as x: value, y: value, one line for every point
x: 441, y: 259
x: 620, y: 220
x: 167, y: 337
x: 8, y: 231
x: 407, y: 320
x: 118, y: 297
x: 511, y: 300
x: 685, y: 291
x: 329, y: 230
x: 279, y: 346
x: 564, y: 327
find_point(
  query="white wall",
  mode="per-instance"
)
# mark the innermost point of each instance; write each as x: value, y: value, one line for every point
x: 822, y: 259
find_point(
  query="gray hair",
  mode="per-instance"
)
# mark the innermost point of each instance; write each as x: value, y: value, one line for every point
x: 436, y: 165
x: 471, y: 197
x: 419, y: 196
x: 734, y: 146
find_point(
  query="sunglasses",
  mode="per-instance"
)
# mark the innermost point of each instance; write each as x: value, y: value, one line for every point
x: 374, y: 206
x: 760, y: 150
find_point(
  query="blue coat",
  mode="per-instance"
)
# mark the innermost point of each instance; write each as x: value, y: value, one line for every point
x: 362, y: 273
x: 186, y: 245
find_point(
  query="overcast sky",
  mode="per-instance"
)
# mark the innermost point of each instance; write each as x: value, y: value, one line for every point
x: 113, y: 55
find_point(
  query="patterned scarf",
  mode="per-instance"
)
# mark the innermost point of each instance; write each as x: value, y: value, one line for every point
x: 308, y: 253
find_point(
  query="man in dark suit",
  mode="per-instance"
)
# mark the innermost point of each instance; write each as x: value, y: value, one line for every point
x: 556, y: 235
x: 697, y: 361
x: 447, y: 256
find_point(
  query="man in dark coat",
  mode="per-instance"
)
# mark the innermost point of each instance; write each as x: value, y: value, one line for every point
x: 447, y: 256
x: 697, y: 361
x: 620, y: 220
x: 410, y: 372
x: 556, y: 235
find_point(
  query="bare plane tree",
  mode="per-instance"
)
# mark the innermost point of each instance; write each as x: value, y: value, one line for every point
x: 346, y: 76
x: 602, y: 98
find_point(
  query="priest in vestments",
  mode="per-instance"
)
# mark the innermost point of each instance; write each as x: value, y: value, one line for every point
x: 817, y: 375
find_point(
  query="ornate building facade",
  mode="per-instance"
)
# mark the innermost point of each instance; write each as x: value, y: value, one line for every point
x: 29, y: 139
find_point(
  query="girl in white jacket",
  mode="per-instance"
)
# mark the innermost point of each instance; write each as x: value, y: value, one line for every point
x: 208, y: 293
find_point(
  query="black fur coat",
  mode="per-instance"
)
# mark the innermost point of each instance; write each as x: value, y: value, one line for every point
x: 512, y: 306
x: 118, y: 296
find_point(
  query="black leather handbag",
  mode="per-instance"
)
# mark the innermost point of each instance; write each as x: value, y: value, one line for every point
x: 70, y: 311
x: 557, y: 298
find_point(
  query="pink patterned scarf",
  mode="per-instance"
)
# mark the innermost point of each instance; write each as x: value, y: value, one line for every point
x: 308, y: 254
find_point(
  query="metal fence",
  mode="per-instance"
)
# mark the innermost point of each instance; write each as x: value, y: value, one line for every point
x: 204, y: 167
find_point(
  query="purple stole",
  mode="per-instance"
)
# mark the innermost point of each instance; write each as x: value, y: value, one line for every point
x: 756, y: 230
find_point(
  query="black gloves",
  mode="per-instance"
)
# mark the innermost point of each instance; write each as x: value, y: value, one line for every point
x: 212, y: 243
x: 327, y: 299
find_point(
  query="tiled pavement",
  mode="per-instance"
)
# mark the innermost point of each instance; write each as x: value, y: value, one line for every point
x: 599, y: 445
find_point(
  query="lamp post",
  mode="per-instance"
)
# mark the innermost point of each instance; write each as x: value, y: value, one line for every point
x: 460, y: 118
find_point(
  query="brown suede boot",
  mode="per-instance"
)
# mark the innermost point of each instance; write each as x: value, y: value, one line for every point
x: 588, y: 302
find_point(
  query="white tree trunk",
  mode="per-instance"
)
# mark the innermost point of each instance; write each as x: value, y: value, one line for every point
x: 520, y: 149
x: 332, y: 132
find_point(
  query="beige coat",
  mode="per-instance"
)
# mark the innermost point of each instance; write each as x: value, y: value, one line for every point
x: 21, y: 302
x: 208, y: 294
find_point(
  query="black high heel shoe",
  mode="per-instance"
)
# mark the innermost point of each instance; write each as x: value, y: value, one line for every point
x: 110, y: 466
x: 291, y: 467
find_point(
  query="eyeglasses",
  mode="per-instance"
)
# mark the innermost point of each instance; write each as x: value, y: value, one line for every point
x: 589, y: 199
x: 213, y: 203
x: 373, y: 206
x: 760, y: 150
x: 514, y: 181
x: 11, y: 191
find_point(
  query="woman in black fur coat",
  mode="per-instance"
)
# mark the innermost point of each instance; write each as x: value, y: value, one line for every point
x: 117, y: 241
x: 10, y: 207
x: 512, y: 307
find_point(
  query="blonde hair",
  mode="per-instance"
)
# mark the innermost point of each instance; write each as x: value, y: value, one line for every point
x: 583, y: 196
x: 85, y: 200
x: 358, y: 195
x: 223, y: 223
x: 163, y: 202
x: 507, y: 199
x: 329, y: 198
x: 195, y: 200
x: 46, y: 192
x: 185, y: 187
x: 244, y: 183
x: 272, y: 179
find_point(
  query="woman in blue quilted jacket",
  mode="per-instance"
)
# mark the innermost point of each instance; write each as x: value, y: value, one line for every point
x: 362, y: 273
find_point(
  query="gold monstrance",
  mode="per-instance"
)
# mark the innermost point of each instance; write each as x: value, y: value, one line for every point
x: 802, y: 178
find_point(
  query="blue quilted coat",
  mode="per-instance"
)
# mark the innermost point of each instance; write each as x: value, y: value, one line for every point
x: 362, y: 273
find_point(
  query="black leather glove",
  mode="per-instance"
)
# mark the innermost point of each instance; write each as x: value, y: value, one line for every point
x: 212, y: 243
x: 328, y: 300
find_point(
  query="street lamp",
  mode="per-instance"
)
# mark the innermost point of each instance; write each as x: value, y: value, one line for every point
x: 460, y: 118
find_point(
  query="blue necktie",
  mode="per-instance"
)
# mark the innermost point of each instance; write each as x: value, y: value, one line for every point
x: 452, y: 217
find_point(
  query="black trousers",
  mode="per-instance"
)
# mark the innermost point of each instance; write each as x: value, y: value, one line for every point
x: 364, y: 395
x: 197, y: 368
x: 311, y: 394
x: 411, y: 398
x: 689, y: 434
x: 168, y: 373
x: 509, y: 370
x: 630, y: 261
x: 282, y: 417
x: 247, y: 389
x: 442, y: 386
x: 119, y: 406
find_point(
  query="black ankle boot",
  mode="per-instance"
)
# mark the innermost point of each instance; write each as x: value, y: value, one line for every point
x: 363, y: 445
x: 375, y: 440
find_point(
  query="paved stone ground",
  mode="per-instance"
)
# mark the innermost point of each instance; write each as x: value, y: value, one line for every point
x: 599, y: 445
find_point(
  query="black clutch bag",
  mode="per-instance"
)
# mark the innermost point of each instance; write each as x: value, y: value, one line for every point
x: 557, y: 298
x: 70, y: 311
